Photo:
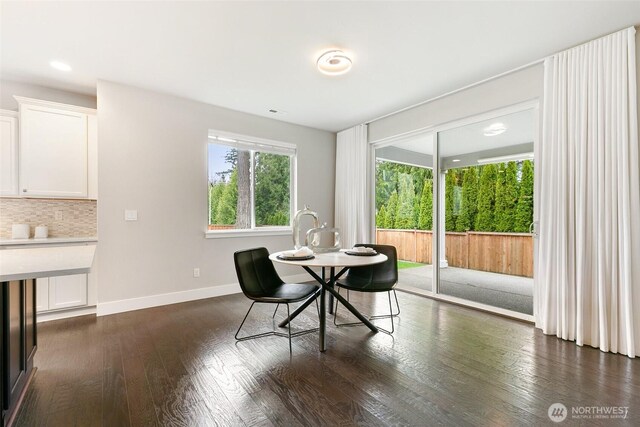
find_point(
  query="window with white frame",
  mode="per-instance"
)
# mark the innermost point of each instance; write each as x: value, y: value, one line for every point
x: 251, y: 184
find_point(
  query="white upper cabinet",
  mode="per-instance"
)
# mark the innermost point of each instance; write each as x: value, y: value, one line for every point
x: 8, y: 153
x: 92, y: 156
x: 55, y: 151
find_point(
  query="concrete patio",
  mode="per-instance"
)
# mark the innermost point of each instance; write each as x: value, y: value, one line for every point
x: 499, y: 290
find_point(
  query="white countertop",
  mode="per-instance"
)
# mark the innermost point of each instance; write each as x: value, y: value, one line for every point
x: 47, y: 241
x: 31, y: 263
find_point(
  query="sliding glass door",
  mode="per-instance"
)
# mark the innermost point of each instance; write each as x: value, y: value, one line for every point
x: 487, y: 169
x: 404, y: 207
x: 458, y: 204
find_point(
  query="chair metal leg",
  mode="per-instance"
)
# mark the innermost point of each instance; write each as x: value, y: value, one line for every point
x: 382, y: 316
x: 390, y: 317
x: 271, y: 333
x: 275, y: 311
x: 250, y: 336
x: 335, y: 314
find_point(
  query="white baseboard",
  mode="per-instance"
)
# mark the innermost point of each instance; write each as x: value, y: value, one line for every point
x: 131, y: 304
x: 64, y: 314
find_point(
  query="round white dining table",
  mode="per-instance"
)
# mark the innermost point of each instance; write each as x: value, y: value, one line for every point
x: 331, y: 261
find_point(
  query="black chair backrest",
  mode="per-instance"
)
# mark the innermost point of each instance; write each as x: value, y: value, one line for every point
x: 382, y: 275
x: 256, y: 273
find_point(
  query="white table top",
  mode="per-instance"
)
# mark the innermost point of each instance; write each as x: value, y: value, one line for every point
x: 32, y: 263
x: 333, y: 259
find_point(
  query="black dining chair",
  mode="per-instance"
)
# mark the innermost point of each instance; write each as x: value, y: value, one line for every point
x: 260, y: 282
x: 381, y: 277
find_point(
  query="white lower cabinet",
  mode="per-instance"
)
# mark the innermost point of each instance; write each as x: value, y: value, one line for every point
x: 42, y: 294
x: 55, y: 293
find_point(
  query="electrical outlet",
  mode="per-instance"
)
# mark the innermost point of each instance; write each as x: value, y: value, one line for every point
x: 196, y: 272
x: 58, y: 215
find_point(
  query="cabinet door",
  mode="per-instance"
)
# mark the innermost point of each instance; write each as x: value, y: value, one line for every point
x: 42, y: 294
x: 8, y: 155
x: 15, y: 361
x: 92, y: 156
x: 53, y: 152
x: 67, y: 291
x: 30, y: 319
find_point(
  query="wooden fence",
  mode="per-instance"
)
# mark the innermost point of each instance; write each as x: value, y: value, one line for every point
x: 506, y: 253
x: 221, y: 227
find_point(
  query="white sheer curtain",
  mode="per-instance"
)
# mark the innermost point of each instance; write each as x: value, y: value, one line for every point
x: 588, y: 274
x: 352, y: 210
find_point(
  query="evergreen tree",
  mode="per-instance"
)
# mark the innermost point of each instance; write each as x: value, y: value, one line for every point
x: 404, y: 217
x: 226, y: 212
x: 215, y: 196
x: 524, y: 211
x: 386, y: 181
x: 381, y: 218
x: 469, y: 208
x: 392, y: 210
x: 425, y: 220
x: 449, y: 200
x: 271, y: 191
x: 506, y: 198
x: 486, y: 198
x: 500, y: 204
x: 416, y: 210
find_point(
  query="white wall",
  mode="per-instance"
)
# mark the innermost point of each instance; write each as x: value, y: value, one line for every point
x: 511, y: 89
x: 9, y: 88
x: 524, y: 85
x: 152, y: 157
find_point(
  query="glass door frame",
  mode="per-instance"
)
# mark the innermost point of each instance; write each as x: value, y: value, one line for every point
x: 438, y: 198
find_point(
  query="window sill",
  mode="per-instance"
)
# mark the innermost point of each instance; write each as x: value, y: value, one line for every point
x: 257, y: 232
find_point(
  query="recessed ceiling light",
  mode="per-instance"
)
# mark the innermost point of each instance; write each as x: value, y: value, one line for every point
x: 495, y: 129
x: 334, y: 62
x: 455, y: 160
x: 60, y: 66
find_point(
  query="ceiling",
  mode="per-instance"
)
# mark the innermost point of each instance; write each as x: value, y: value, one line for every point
x: 255, y: 56
x: 471, y: 139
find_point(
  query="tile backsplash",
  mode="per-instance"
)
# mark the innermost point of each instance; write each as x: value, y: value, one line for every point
x: 65, y: 218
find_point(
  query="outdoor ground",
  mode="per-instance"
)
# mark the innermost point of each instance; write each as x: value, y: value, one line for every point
x: 499, y: 290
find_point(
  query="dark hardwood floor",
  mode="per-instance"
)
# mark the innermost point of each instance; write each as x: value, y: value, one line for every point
x: 445, y: 365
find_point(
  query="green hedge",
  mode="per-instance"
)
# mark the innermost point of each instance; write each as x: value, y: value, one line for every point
x: 494, y: 197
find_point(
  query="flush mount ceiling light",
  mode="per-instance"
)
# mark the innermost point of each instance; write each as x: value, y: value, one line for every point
x: 60, y: 66
x: 455, y: 160
x: 494, y: 129
x: 334, y: 62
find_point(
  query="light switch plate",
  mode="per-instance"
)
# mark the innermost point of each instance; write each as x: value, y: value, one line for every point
x: 130, y: 215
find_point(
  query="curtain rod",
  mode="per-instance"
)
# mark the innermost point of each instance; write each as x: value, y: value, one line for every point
x: 522, y: 67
